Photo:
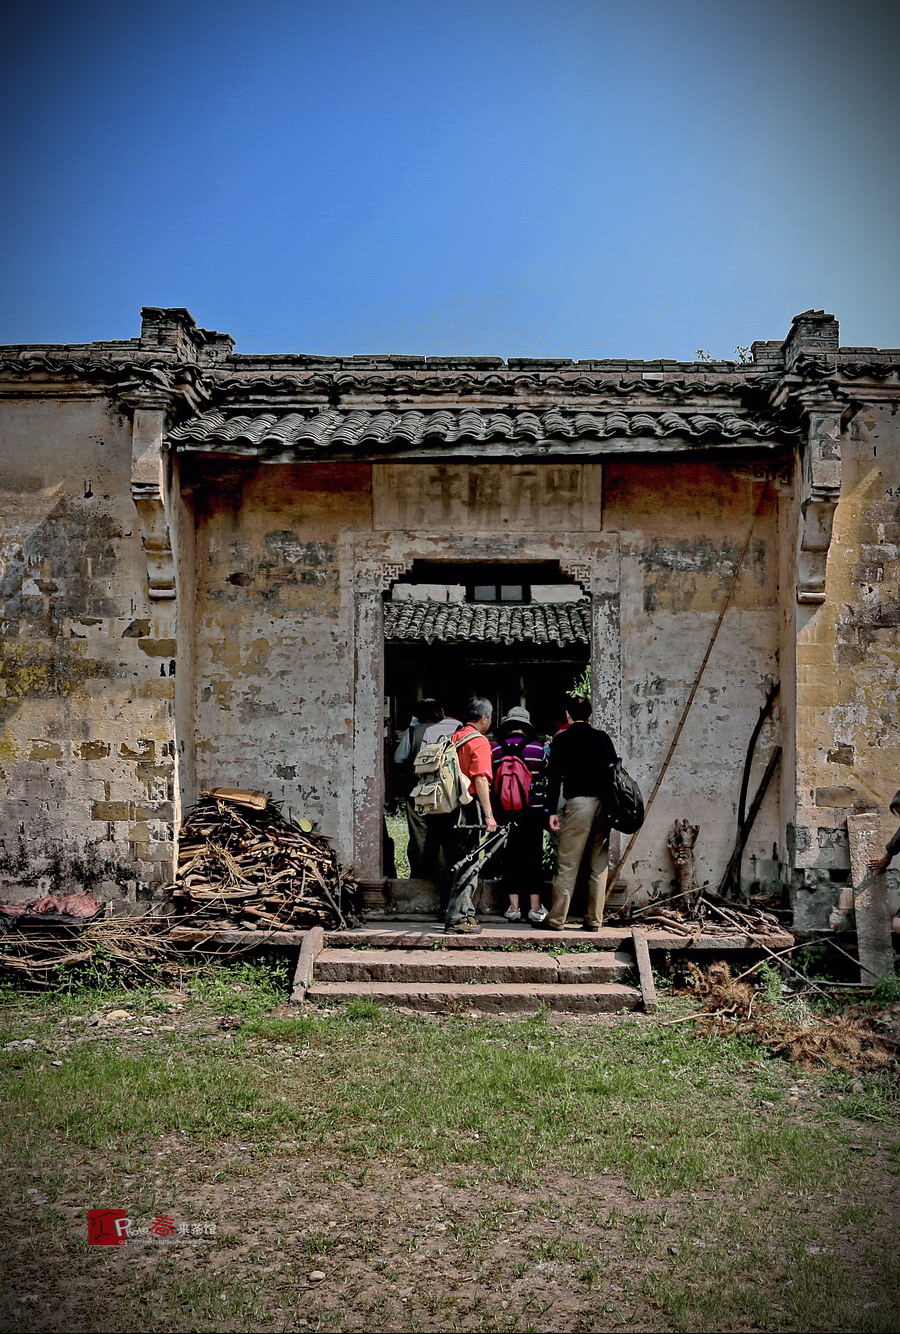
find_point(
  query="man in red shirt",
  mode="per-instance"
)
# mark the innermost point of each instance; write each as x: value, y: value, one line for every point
x: 475, y: 760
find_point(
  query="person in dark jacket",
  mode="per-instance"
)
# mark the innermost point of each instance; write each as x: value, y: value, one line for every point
x: 880, y: 864
x: 581, y: 764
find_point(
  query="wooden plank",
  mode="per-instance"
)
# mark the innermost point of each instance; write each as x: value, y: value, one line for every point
x: 303, y: 974
x: 645, y: 972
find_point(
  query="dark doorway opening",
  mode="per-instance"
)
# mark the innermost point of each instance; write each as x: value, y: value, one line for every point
x: 443, y: 643
x: 539, y: 676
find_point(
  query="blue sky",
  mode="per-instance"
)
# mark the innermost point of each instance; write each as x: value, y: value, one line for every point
x: 519, y: 177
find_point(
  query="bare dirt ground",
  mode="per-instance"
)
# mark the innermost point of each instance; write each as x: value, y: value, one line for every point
x: 628, y: 1189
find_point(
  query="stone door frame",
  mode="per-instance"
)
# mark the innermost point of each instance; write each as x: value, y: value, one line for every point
x: 375, y: 562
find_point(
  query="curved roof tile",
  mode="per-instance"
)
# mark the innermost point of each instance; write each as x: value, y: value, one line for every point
x: 488, y: 622
x: 358, y: 428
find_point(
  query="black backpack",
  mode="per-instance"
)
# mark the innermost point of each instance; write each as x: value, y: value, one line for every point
x: 625, y: 803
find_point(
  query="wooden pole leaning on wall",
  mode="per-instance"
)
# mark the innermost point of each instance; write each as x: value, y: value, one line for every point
x: 312, y: 947
x: 695, y: 687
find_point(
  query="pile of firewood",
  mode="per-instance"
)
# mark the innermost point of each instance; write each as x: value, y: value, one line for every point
x: 700, y: 912
x: 242, y: 860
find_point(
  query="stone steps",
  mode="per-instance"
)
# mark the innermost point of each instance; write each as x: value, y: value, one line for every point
x: 470, y: 966
x: 408, y: 935
x: 484, y: 997
x: 492, y: 973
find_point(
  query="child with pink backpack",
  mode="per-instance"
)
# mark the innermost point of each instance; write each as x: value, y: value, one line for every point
x: 517, y: 789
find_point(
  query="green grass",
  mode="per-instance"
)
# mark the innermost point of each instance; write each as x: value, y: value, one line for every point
x: 579, y: 1171
x: 399, y: 832
x: 244, y: 988
x: 887, y: 989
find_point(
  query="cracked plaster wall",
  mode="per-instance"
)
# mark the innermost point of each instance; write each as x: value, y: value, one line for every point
x: 848, y: 672
x: 275, y: 664
x: 682, y: 529
x: 275, y: 654
x: 86, y: 743
x: 88, y: 662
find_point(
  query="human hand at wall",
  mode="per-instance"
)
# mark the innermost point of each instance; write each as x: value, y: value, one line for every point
x: 879, y: 864
x: 553, y: 824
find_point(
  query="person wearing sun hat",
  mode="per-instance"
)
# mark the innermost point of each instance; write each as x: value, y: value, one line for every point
x: 520, y: 763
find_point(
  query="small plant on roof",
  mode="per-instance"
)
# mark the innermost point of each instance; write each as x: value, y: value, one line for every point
x: 581, y: 686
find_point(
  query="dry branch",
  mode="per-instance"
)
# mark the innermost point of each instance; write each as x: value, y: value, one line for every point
x: 846, y: 1041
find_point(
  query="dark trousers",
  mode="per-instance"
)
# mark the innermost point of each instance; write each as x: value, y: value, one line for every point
x: 418, y: 832
x: 521, y: 867
x: 462, y: 838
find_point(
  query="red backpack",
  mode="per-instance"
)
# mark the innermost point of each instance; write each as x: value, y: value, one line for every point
x: 512, y: 777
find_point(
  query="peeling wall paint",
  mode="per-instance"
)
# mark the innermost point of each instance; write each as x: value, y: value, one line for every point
x: 682, y: 529
x: 275, y: 664
x: 86, y: 736
x: 848, y: 671
x: 276, y: 583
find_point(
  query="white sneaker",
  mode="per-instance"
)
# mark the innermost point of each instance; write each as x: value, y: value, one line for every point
x: 537, y: 915
x: 513, y: 915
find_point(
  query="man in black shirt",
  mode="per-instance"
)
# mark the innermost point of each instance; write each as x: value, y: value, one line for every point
x: 582, y: 760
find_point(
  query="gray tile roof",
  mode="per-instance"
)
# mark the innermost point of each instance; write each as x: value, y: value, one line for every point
x: 492, y: 623
x: 316, y: 430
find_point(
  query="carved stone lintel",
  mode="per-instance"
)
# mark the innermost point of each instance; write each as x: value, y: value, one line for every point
x: 580, y: 571
x: 821, y: 490
x: 391, y: 571
x: 148, y: 494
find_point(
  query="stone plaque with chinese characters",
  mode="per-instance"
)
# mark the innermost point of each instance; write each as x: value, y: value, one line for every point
x: 488, y: 497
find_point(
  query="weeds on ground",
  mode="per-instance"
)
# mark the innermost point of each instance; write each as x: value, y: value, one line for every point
x: 769, y: 982
x: 887, y: 990
x: 472, y: 1093
x: 843, y: 1039
x: 692, y: 1188
x: 244, y: 988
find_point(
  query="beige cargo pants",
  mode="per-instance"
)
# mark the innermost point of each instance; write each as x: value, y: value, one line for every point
x: 583, y: 829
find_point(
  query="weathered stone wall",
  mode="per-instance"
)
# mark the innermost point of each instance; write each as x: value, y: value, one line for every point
x: 274, y: 633
x: 683, y: 527
x: 123, y: 461
x: 848, y: 670
x: 279, y: 551
x: 86, y: 736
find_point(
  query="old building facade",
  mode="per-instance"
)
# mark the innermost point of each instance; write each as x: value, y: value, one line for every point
x: 204, y: 553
